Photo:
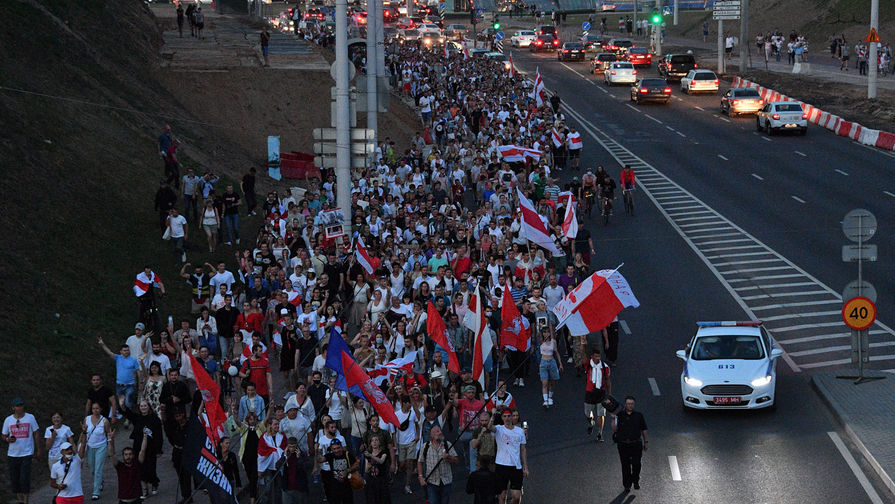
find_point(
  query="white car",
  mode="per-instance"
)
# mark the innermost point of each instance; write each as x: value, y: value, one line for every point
x: 620, y: 72
x: 699, y: 81
x: 429, y: 28
x: 729, y: 365
x: 523, y: 38
x: 782, y: 116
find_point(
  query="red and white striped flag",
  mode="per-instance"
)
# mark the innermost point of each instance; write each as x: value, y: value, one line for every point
x: 465, y: 51
x: 595, y: 303
x: 518, y: 154
x: 533, y: 228
x: 570, y: 222
x: 512, y: 67
x: 447, y: 55
x: 567, y: 198
x: 390, y: 369
x: 557, y: 138
x: 360, y: 252
x: 574, y: 139
x: 476, y: 322
x: 515, y: 330
x: 537, y: 92
x: 145, y: 282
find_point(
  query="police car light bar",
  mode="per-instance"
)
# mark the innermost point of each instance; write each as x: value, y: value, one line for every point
x: 730, y: 323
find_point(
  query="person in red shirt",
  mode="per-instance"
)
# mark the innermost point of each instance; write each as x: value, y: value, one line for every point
x: 468, y: 407
x: 128, y: 469
x: 257, y: 370
x: 462, y: 263
x: 172, y: 164
x: 248, y: 322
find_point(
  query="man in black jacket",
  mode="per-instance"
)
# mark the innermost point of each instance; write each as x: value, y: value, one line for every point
x: 482, y: 483
x: 629, y: 427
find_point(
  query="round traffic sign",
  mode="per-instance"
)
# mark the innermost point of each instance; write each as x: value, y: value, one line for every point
x: 585, y: 26
x: 864, y: 289
x: 859, y: 225
x: 666, y: 11
x: 499, y: 36
x: 859, y: 313
x: 442, y: 6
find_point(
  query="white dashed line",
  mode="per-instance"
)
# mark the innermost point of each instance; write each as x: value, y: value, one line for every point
x: 681, y: 134
x: 802, y: 154
x: 697, y: 107
x: 759, y: 177
x: 669, y: 128
x: 890, y: 194
x: 675, y: 470
x: 840, y: 172
x: 601, y: 89
x: 855, y: 468
x: 655, y: 386
x: 723, y: 118
x: 632, y: 107
x: 722, y: 157
x: 624, y: 326
x: 678, y: 98
x: 766, y: 139
x: 653, y: 118
x: 800, y: 200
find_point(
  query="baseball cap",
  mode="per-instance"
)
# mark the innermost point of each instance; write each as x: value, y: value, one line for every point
x: 468, y: 387
x: 140, y: 326
x: 18, y: 401
x: 430, y: 409
x: 284, y: 311
x: 434, y: 375
x: 65, y: 446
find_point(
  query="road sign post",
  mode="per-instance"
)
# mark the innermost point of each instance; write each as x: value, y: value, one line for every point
x: 859, y: 309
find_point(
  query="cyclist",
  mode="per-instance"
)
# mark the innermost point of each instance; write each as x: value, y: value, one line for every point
x: 628, y: 184
x: 589, y: 188
x: 607, y: 194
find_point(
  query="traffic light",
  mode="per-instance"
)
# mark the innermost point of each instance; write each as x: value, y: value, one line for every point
x: 472, y: 16
x: 656, y: 18
x: 496, y: 24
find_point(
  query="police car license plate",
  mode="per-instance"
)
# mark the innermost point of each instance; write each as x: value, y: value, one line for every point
x: 727, y: 400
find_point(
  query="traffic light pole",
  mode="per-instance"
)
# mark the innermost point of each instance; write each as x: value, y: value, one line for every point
x: 721, y: 61
x: 372, y: 106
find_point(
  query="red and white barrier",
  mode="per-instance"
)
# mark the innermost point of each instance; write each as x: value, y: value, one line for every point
x: 834, y: 123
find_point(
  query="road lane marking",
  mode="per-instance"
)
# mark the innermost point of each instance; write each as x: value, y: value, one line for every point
x: 655, y: 386
x: 802, y: 154
x: 653, y: 118
x: 601, y: 89
x: 669, y: 128
x: 890, y: 194
x: 632, y: 107
x: 759, y: 177
x: 766, y: 139
x: 855, y: 468
x: 800, y: 200
x: 840, y: 172
x: 625, y: 327
x: 675, y: 470
x: 681, y: 134
x: 699, y: 108
x: 723, y: 118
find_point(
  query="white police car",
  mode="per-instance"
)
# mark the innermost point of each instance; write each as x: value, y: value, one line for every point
x: 729, y: 365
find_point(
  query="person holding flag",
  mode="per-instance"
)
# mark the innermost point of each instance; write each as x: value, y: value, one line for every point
x: 515, y: 335
x: 437, y: 330
x: 574, y: 145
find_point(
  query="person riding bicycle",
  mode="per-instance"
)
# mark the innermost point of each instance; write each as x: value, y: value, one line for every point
x: 627, y: 178
x: 607, y: 192
x: 588, y: 187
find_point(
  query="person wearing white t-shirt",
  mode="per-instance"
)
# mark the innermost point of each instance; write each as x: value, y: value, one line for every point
x: 426, y: 108
x: 178, y: 230
x: 137, y: 341
x: 20, y: 430
x: 222, y: 277
x: 406, y: 438
x: 511, y: 461
x: 65, y: 475
x: 55, y: 435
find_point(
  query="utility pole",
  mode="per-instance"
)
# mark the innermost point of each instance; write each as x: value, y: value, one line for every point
x: 343, y: 120
x: 871, y: 60
x: 744, y: 35
x: 380, y: 54
x: 721, y: 61
x: 409, y: 8
x: 635, y: 17
x: 675, y: 12
x: 372, y: 64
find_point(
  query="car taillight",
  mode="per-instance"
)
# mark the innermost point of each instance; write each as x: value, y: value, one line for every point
x: 565, y: 50
x: 775, y: 116
x: 804, y: 116
x: 695, y: 65
x: 716, y: 82
x: 760, y: 102
x: 539, y: 42
x: 556, y: 42
x: 635, y: 72
x: 733, y: 102
x: 644, y: 90
x: 612, y: 72
x: 667, y: 90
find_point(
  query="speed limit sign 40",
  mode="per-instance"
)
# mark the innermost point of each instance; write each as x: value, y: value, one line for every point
x: 859, y: 313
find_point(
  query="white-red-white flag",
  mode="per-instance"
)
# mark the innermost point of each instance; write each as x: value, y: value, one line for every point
x: 533, y: 228
x: 537, y: 93
x: 389, y: 370
x: 518, y: 154
x: 595, y: 303
x: 570, y: 223
x: 557, y: 138
x: 475, y: 321
x: 465, y: 51
x: 512, y: 67
x: 574, y: 139
x: 360, y: 252
x: 447, y: 55
x: 144, y: 282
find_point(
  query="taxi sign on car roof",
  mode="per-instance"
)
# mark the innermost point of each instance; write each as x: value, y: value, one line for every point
x: 730, y: 323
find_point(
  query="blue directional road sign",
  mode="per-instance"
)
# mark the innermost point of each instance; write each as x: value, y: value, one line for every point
x: 442, y: 6
x: 585, y: 26
x: 479, y: 10
x: 666, y: 11
x: 499, y: 36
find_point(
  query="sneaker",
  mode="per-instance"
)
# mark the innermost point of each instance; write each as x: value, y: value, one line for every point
x: 183, y: 257
x: 94, y: 497
x: 570, y: 360
x: 407, y: 490
x: 521, y: 383
x: 228, y: 243
x: 546, y: 403
x: 599, y: 437
x: 155, y: 490
x: 550, y: 401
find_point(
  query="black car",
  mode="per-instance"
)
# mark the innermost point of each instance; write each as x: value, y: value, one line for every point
x: 601, y: 62
x: 592, y: 43
x: 546, y: 30
x: 675, y: 66
x: 570, y: 51
x: 544, y: 43
x: 620, y: 46
x: 650, y: 89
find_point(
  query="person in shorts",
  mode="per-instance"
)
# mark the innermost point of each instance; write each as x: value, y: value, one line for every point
x: 597, y: 388
x: 511, y: 463
x: 20, y: 431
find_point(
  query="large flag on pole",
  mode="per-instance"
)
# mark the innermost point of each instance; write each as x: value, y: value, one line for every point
x: 390, y: 369
x: 518, y: 154
x: 199, y: 457
x: 482, y: 344
x: 533, y: 228
x: 352, y: 378
x: 211, y: 394
x: 512, y: 66
x: 515, y: 330
x: 570, y: 222
x: 538, y: 90
x: 364, y: 259
x: 438, y: 332
x: 595, y: 302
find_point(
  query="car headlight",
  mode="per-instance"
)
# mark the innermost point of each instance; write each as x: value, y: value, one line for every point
x: 761, y: 382
x: 693, y: 382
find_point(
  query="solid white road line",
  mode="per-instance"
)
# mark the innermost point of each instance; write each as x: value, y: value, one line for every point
x: 890, y: 194
x: 722, y: 157
x: 633, y: 108
x: 675, y: 470
x: 723, y: 118
x: 840, y: 172
x: 697, y: 107
x: 681, y: 134
x: 766, y: 139
x: 655, y: 386
x: 800, y: 200
x: 653, y: 118
x: 855, y: 468
x: 802, y: 154
x: 759, y: 177
x: 669, y: 128
x: 624, y: 326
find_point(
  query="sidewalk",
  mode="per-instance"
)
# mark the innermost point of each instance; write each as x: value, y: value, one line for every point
x: 865, y: 412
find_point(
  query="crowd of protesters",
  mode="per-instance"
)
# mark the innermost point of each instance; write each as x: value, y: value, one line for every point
x: 440, y: 222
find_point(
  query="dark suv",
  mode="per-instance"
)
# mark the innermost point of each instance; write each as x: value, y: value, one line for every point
x: 675, y: 66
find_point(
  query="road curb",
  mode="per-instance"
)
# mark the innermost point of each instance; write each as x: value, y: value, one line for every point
x: 845, y: 420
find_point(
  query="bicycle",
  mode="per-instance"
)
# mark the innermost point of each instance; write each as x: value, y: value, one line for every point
x: 607, y: 210
x: 588, y: 202
x: 629, y: 200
